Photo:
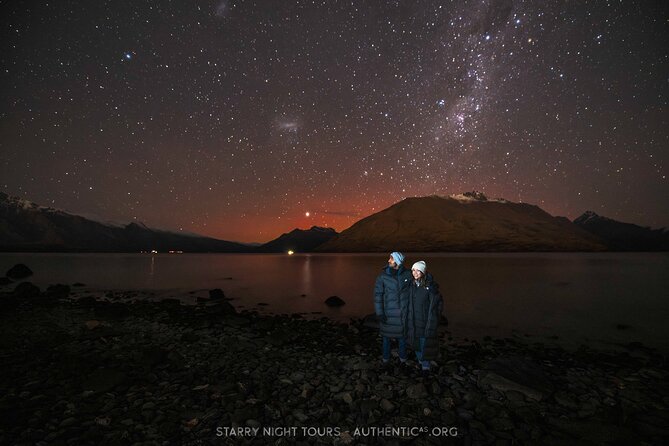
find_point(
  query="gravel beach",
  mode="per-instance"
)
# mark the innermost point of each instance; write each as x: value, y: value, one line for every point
x: 79, y: 369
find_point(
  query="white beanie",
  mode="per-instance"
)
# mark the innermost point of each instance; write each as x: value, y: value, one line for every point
x: 419, y: 266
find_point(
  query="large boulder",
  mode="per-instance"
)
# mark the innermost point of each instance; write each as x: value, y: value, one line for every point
x: 87, y: 301
x: 111, y: 311
x: 370, y: 321
x: 216, y: 294
x: 221, y: 308
x: 518, y: 374
x: 334, y: 301
x: 416, y: 391
x: 104, y: 380
x: 151, y: 357
x: 58, y: 291
x: 26, y: 290
x: 19, y: 271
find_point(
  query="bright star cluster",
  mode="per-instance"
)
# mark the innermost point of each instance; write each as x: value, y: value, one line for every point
x: 244, y: 119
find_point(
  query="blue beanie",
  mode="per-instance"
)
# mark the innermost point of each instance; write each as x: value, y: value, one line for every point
x: 398, y: 257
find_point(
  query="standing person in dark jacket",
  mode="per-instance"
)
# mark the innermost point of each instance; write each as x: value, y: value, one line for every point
x: 391, y: 298
x: 424, y: 311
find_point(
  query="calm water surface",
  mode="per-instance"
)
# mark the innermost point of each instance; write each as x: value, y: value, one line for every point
x: 580, y: 297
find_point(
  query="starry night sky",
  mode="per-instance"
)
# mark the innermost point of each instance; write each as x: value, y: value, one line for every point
x: 235, y: 118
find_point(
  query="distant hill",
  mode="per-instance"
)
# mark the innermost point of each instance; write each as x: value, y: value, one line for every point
x: 463, y: 222
x: 621, y: 236
x: 26, y: 226
x: 299, y: 240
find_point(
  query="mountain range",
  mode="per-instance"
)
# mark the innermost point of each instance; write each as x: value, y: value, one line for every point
x: 461, y: 222
x: 620, y: 236
x: 299, y: 240
x: 26, y: 226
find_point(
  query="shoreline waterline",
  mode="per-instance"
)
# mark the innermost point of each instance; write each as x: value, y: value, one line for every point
x: 454, y: 331
x: 605, y: 298
x: 107, y: 372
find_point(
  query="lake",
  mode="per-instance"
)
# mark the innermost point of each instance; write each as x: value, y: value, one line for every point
x: 592, y: 298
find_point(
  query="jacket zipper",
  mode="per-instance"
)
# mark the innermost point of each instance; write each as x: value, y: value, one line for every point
x: 399, y: 297
x: 429, y: 315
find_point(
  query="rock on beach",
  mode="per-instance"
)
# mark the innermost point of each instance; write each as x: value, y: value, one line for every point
x: 86, y: 371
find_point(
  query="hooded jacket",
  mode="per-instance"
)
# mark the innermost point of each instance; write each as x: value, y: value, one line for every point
x: 391, y: 298
x: 423, y: 312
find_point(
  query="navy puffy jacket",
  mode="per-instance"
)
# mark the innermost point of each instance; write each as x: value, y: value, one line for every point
x: 424, y: 311
x: 391, y: 298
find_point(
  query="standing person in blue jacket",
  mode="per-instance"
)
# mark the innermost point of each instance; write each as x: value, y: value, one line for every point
x: 424, y: 311
x: 391, y: 298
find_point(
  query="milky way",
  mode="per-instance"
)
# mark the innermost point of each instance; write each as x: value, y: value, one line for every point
x: 236, y: 118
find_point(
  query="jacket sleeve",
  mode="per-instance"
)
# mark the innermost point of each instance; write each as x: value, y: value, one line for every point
x: 439, y: 300
x: 378, y: 296
x: 441, y: 314
x: 409, y: 325
x: 438, y: 307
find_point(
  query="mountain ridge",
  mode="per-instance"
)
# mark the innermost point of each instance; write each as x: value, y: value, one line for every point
x: 299, y: 240
x: 621, y: 236
x: 465, y: 222
x: 27, y: 226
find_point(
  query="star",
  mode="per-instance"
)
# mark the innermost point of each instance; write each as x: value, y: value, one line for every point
x: 207, y: 112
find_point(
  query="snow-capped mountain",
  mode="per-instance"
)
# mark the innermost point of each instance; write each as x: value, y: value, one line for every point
x: 462, y: 222
x: 27, y: 226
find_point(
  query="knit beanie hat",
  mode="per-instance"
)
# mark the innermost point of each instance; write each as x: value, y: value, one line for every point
x: 398, y: 257
x: 419, y: 266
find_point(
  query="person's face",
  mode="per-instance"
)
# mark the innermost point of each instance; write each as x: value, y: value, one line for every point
x: 416, y: 274
x: 391, y: 262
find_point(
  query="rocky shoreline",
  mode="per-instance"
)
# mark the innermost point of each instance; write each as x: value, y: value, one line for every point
x: 82, y: 370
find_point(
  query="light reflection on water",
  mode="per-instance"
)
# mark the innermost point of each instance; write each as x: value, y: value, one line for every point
x: 579, y: 296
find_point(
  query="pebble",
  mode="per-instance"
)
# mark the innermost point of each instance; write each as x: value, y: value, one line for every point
x: 169, y: 371
x: 387, y: 405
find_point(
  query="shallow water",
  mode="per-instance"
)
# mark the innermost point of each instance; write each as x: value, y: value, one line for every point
x: 579, y: 297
